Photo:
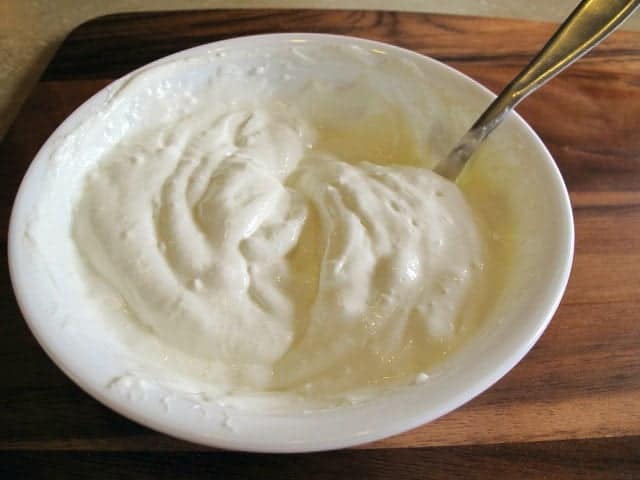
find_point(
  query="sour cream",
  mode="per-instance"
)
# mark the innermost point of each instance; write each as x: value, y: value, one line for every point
x: 283, y: 240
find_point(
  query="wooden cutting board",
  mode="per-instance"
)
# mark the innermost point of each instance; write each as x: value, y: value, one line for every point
x: 582, y: 379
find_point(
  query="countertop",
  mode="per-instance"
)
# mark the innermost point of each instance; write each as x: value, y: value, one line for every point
x: 31, y: 30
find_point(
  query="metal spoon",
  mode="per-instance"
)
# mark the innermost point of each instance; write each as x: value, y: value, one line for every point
x: 590, y: 23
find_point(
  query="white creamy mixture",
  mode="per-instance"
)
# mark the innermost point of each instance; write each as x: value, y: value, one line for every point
x: 281, y: 240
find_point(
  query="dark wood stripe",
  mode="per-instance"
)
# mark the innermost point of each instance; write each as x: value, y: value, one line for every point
x: 602, y: 458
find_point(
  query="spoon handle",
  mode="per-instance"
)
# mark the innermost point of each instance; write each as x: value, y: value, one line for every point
x: 590, y: 23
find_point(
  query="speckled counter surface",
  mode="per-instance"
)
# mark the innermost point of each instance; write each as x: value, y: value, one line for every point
x: 31, y: 30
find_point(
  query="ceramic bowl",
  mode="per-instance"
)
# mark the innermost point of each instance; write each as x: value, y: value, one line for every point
x: 63, y: 323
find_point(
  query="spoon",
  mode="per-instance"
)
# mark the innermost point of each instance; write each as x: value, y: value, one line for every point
x: 590, y: 23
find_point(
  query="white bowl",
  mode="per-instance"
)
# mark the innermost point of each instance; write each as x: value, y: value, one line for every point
x: 535, y: 284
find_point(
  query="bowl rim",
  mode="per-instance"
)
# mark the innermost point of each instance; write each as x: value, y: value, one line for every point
x: 345, y: 435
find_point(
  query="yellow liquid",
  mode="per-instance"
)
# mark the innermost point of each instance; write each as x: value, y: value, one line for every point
x: 385, y: 137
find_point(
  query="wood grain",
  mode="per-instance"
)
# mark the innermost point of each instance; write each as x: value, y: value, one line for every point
x: 581, y: 381
x: 594, y: 459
